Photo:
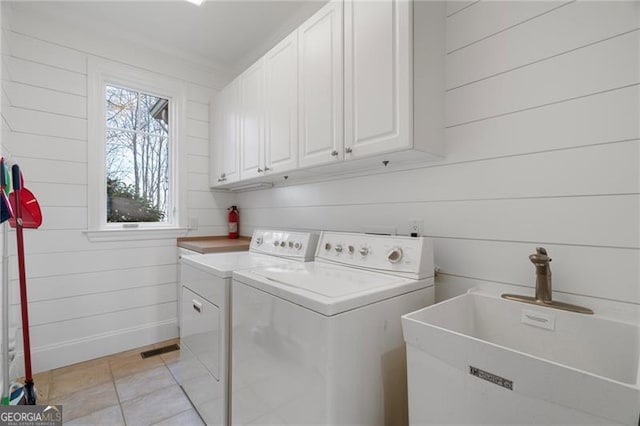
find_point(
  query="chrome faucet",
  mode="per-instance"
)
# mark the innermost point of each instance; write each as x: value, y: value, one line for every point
x: 543, y: 274
x: 541, y: 260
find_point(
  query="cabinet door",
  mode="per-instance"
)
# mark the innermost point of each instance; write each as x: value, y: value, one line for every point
x: 320, y: 88
x: 378, y: 77
x: 215, y: 148
x: 252, y: 121
x: 281, y: 106
x: 225, y: 136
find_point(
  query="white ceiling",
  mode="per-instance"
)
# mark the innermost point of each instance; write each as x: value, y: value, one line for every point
x: 226, y: 34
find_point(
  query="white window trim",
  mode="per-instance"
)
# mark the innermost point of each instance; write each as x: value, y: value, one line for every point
x: 100, y: 73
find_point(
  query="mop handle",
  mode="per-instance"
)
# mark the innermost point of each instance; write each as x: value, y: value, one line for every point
x: 5, y: 289
x: 17, y: 186
x: 3, y: 185
x: 5, y: 316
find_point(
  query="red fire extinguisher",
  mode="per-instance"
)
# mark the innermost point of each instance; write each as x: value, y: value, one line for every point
x: 234, y: 217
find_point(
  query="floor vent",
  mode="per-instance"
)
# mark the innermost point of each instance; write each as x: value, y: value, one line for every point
x: 160, y: 351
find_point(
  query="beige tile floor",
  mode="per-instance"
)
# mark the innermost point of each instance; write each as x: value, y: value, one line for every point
x: 121, y: 389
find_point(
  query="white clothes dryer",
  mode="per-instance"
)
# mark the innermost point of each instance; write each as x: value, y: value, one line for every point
x: 203, y: 365
x: 321, y: 342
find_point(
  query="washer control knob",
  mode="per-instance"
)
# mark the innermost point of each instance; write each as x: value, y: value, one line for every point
x: 290, y: 244
x: 298, y: 245
x: 364, y: 251
x: 351, y: 249
x: 282, y: 244
x: 395, y: 255
x: 327, y: 246
x: 338, y: 248
x: 276, y: 243
x: 259, y: 241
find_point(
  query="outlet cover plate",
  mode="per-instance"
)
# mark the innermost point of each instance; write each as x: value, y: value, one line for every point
x: 416, y: 227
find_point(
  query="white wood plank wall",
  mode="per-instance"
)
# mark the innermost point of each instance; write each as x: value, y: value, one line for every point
x: 3, y: 359
x: 90, y: 299
x: 542, y: 148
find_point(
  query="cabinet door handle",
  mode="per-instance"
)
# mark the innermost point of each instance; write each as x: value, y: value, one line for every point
x: 260, y: 170
x: 197, y: 306
x: 222, y: 179
x: 266, y: 168
x: 348, y: 150
x: 334, y: 153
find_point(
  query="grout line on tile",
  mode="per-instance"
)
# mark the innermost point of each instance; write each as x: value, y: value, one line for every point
x: 178, y: 413
x: 113, y: 380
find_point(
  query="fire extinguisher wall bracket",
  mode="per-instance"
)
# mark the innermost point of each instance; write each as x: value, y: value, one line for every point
x: 234, y: 222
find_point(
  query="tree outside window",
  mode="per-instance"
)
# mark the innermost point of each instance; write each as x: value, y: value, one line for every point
x: 137, y: 156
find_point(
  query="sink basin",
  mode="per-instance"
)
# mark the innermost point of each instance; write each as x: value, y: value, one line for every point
x: 478, y: 358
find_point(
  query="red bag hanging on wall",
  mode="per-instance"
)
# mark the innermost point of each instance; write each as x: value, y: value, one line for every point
x: 234, y: 218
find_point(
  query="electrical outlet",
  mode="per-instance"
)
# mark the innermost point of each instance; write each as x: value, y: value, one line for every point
x: 416, y: 227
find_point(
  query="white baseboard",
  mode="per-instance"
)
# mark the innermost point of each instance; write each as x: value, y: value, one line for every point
x: 46, y: 358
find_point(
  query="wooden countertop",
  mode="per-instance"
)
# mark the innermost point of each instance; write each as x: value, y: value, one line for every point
x: 214, y: 244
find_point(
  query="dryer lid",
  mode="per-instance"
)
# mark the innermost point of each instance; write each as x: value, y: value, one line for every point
x: 223, y: 264
x: 327, y: 289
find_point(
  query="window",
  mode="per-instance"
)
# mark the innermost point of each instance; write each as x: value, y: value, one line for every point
x: 134, y: 157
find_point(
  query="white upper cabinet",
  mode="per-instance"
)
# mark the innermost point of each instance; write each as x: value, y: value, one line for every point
x: 320, y: 100
x: 377, y: 77
x: 252, y: 121
x: 216, y: 123
x: 358, y: 86
x: 281, y: 106
x: 225, y: 149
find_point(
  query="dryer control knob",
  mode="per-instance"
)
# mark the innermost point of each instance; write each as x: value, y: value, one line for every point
x: 290, y: 244
x: 338, y: 248
x: 364, y: 251
x: 395, y: 255
x: 282, y: 244
x: 276, y: 243
x: 298, y: 246
x: 351, y: 249
x: 327, y: 246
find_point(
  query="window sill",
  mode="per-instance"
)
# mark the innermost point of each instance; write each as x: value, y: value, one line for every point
x: 103, y: 235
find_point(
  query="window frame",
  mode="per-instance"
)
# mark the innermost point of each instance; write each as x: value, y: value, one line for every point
x: 102, y: 73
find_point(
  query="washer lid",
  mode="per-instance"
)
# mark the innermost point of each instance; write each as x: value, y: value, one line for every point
x: 223, y: 264
x: 327, y: 289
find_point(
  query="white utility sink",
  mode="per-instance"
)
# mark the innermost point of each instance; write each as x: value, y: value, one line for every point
x: 478, y: 358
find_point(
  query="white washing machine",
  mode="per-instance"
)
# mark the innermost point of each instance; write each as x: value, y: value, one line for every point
x: 321, y: 342
x: 203, y: 367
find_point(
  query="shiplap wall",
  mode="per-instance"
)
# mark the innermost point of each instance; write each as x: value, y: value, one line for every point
x: 542, y: 113
x: 91, y: 299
